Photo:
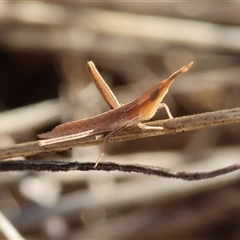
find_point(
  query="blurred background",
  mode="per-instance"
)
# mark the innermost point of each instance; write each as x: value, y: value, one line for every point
x: 44, y: 48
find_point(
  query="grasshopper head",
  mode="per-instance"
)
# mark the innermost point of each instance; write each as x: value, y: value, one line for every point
x: 149, y: 101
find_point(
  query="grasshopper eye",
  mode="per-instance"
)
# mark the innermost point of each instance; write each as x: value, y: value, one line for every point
x: 154, y: 95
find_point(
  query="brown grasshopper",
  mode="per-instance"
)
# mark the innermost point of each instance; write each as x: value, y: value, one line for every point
x: 108, y: 123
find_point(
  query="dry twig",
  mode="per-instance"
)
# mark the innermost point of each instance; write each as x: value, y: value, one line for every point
x: 56, y: 166
x: 181, y: 124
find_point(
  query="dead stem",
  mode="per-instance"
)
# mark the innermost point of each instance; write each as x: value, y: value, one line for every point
x: 181, y: 124
x: 57, y: 166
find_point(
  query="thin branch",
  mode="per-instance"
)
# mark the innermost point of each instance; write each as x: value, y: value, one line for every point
x: 57, y: 166
x: 181, y: 124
